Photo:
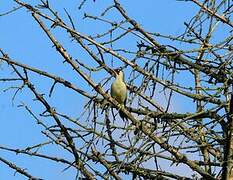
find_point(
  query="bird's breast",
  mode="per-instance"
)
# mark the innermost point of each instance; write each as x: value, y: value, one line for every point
x: 119, y: 91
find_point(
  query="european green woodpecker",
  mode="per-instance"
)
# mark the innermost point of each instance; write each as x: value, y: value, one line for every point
x: 119, y: 90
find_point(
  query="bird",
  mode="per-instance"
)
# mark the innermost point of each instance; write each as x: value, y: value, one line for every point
x: 119, y: 90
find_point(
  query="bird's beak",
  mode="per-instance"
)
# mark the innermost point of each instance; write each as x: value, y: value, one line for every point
x: 116, y: 71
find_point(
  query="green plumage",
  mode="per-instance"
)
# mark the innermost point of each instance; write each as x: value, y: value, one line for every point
x: 119, y: 90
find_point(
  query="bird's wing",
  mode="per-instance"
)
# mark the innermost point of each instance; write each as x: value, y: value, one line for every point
x: 125, y: 97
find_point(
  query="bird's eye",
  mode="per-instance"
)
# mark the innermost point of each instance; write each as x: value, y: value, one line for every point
x: 117, y: 71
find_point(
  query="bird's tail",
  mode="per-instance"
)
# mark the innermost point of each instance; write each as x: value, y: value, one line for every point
x: 122, y: 115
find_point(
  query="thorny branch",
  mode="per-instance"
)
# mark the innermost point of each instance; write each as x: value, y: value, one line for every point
x: 154, y: 132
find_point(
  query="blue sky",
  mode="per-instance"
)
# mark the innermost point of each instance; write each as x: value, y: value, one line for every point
x: 23, y: 40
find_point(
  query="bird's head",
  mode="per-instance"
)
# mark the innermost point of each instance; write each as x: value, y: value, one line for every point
x: 119, y: 73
